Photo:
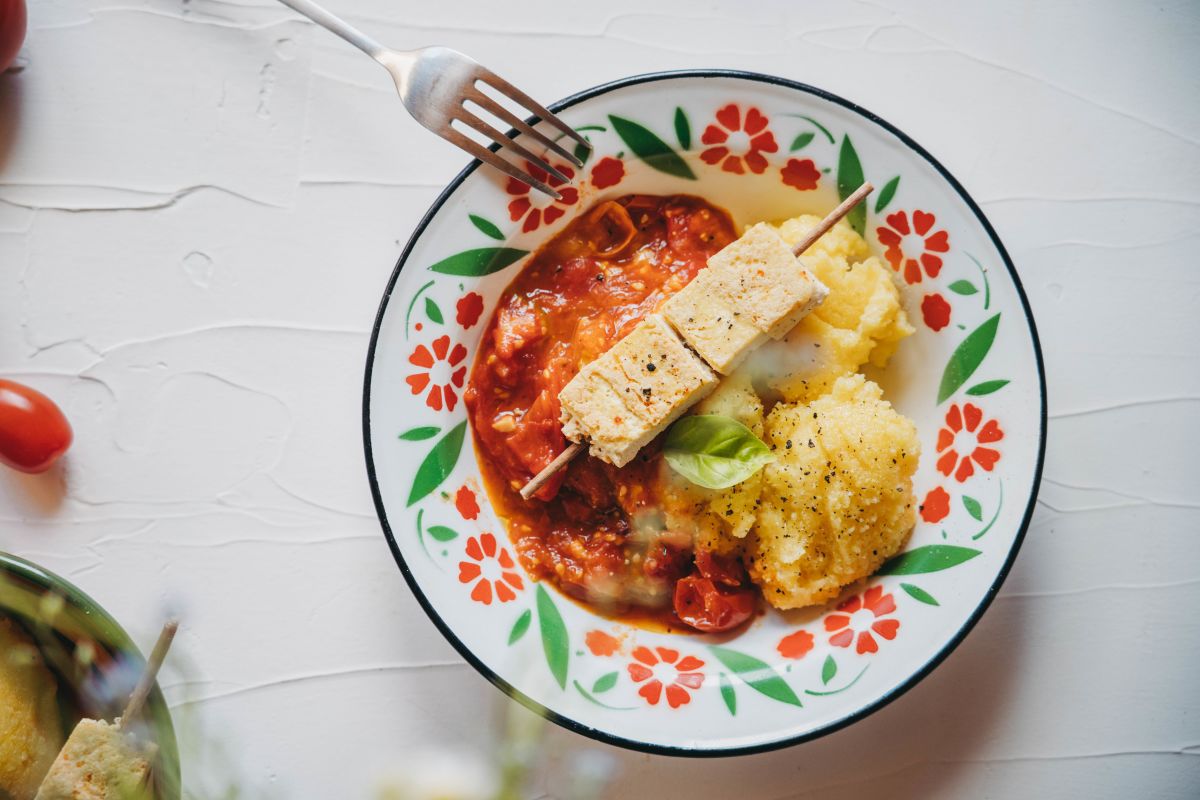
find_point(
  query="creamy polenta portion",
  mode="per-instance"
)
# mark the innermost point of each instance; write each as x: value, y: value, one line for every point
x: 838, y: 500
x: 30, y: 733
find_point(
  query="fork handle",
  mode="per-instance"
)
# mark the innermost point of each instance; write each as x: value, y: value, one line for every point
x: 336, y: 25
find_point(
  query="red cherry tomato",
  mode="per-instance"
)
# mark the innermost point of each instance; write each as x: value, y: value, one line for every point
x: 721, y: 570
x: 33, y: 431
x: 12, y: 30
x: 706, y: 607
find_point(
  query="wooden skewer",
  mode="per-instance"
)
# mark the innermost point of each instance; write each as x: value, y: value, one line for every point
x: 140, y: 692
x: 560, y: 461
x: 831, y: 219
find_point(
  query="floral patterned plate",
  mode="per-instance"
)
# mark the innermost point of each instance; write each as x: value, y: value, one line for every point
x: 971, y: 377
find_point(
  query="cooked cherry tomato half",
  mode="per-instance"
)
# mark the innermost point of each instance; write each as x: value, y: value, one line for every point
x: 721, y: 570
x: 706, y: 607
x: 33, y: 431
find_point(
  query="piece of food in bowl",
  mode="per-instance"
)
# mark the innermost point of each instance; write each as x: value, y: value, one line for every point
x: 99, y: 762
x: 861, y: 321
x: 719, y: 333
x: 30, y: 730
x: 629, y: 395
x: 761, y: 277
x: 641, y: 540
x: 838, y: 501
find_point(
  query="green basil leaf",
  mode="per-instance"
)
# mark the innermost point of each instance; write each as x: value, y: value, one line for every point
x: 713, y: 451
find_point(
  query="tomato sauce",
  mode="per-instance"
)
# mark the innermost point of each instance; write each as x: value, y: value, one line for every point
x: 595, y: 530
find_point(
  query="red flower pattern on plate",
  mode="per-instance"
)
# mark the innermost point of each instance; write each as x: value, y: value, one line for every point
x: 601, y: 643
x: 737, y: 142
x: 936, y: 506
x: 465, y: 502
x: 662, y: 665
x: 487, y: 559
x: 914, y: 246
x: 441, y: 354
x: 795, y: 645
x: 874, y: 605
x: 531, y: 207
x: 608, y: 172
x: 935, y: 311
x: 801, y: 174
x: 961, y: 442
x: 468, y: 309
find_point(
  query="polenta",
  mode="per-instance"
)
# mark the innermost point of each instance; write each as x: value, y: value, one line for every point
x: 30, y: 732
x: 838, y: 501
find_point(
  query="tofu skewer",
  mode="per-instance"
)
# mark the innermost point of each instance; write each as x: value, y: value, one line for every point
x: 752, y: 290
x: 99, y: 760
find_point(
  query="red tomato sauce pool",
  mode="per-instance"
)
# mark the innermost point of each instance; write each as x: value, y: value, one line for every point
x: 595, y: 530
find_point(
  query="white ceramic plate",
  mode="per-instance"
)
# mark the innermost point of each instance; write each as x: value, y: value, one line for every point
x: 971, y: 378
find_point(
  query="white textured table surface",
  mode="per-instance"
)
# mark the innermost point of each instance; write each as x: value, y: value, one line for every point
x: 201, y: 201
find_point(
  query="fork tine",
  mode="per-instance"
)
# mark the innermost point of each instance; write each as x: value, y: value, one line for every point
x: 502, y: 140
x: 521, y: 125
x: 504, y: 87
x: 459, y: 139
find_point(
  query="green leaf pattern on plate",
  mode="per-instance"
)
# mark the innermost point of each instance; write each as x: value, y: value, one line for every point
x: 930, y: 558
x: 683, y: 130
x: 757, y: 674
x: 556, y: 642
x: 967, y: 357
x: 728, y: 694
x: 828, y: 670
x: 487, y: 227
x: 850, y: 177
x: 478, y: 262
x: 438, y: 465
x: 646, y: 145
x: 420, y: 433
x: 886, y: 194
x: 917, y: 593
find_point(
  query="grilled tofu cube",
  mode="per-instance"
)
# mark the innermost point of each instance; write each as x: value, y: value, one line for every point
x: 99, y: 761
x: 650, y: 375
x: 759, y: 277
x: 718, y: 333
x: 593, y: 411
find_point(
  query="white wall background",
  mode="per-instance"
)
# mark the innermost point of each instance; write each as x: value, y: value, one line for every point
x: 200, y: 202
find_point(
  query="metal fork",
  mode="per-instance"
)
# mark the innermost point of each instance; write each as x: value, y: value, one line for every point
x: 436, y: 84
